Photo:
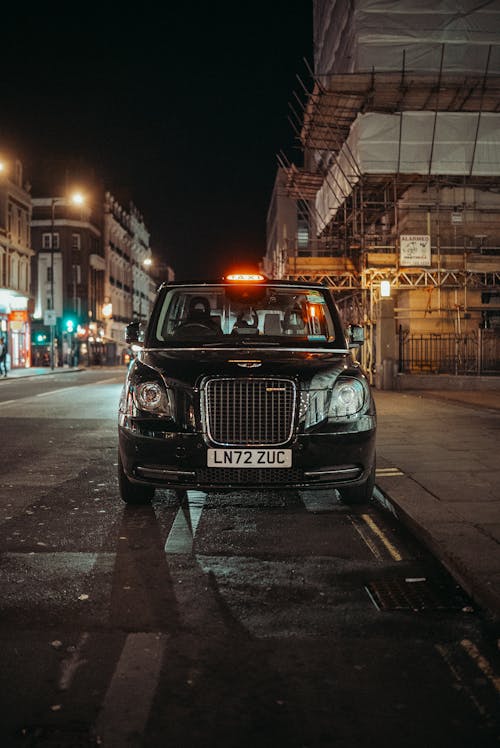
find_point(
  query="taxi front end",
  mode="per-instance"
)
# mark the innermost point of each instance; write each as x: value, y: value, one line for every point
x: 261, y: 389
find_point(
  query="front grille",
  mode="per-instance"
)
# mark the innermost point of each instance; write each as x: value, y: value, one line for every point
x: 248, y: 412
x: 249, y: 476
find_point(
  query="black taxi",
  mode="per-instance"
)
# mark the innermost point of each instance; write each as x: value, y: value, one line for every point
x: 245, y: 382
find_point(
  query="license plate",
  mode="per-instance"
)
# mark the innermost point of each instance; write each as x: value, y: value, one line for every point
x: 249, y: 458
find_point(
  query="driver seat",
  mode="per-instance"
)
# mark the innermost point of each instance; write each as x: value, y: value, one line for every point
x: 199, y: 314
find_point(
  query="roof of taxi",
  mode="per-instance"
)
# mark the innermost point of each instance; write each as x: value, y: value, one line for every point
x: 263, y: 282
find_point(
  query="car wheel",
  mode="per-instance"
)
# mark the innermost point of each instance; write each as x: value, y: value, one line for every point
x: 359, y: 494
x: 131, y: 493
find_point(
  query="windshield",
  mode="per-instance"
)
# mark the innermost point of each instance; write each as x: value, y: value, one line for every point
x: 232, y: 315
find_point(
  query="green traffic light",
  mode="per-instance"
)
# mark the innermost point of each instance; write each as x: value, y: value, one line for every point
x: 70, y: 325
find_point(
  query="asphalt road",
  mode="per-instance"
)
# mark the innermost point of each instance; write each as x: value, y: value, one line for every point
x: 225, y: 620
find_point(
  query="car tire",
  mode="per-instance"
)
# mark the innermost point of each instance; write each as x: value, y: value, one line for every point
x: 360, y: 494
x: 132, y: 493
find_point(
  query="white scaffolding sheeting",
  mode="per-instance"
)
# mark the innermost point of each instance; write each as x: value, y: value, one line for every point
x: 425, y: 143
x: 361, y: 35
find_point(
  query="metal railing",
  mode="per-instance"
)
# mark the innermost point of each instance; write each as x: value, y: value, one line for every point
x: 473, y: 353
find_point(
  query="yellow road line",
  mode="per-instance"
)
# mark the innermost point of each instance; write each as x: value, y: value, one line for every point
x: 380, y: 534
x: 481, y: 662
x: 367, y: 541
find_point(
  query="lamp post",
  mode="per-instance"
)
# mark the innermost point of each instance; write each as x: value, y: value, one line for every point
x: 146, y: 265
x: 76, y: 199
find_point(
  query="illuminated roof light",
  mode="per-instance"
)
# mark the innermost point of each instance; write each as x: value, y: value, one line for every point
x: 245, y: 277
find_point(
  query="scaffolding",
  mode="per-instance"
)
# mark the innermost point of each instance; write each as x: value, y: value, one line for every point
x: 371, y: 208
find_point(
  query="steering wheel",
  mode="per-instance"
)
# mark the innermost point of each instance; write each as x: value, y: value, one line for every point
x: 193, y: 327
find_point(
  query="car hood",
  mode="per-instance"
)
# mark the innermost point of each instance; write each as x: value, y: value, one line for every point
x: 189, y: 366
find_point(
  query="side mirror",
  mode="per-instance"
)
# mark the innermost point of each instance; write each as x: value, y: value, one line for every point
x: 134, y: 333
x: 356, y: 335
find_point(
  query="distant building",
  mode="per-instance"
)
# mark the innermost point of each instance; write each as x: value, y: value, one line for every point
x: 15, y: 256
x: 67, y: 279
x: 73, y: 274
x: 127, y: 293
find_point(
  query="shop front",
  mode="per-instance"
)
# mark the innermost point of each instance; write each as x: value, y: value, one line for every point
x: 15, y: 329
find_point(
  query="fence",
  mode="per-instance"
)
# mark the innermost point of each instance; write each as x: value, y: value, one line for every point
x: 474, y: 353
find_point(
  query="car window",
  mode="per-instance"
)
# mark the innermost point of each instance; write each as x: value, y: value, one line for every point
x: 285, y: 315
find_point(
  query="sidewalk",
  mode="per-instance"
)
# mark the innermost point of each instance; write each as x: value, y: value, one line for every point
x: 35, y: 371
x: 438, y: 466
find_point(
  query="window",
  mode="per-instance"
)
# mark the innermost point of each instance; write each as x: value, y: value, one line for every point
x: 76, y: 241
x: 46, y: 241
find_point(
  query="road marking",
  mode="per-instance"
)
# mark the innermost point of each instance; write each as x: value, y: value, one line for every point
x: 364, y: 537
x: 127, y: 703
x: 8, y: 402
x: 381, y: 535
x: 482, y: 663
x: 53, y: 392
x: 455, y: 671
x: 64, y: 389
x: 113, y: 381
x: 388, y: 472
x: 181, y: 535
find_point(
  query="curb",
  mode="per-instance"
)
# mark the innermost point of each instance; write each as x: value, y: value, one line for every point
x: 442, y: 543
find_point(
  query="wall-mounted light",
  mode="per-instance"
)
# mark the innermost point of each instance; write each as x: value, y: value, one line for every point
x: 107, y: 310
x: 385, y: 289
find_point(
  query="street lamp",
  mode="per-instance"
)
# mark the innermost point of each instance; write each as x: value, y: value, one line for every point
x: 146, y: 264
x: 77, y: 199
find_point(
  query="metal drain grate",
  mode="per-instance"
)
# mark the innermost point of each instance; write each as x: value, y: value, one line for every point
x: 411, y: 594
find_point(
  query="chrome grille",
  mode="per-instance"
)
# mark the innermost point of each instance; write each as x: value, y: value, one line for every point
x: 249, y: 411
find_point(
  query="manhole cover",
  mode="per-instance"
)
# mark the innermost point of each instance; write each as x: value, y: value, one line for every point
x: 415, y: 594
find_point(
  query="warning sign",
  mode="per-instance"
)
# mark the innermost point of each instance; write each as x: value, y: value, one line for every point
x: 415, y: 249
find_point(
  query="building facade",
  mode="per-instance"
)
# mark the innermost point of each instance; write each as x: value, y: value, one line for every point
x: 67, y: 281
x: 73, y: 273
x: 401, y: 162
x: 127, y: 293
x: 15, y: 258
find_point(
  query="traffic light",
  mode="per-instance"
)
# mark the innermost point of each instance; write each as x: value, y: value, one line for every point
x: 69, y: 325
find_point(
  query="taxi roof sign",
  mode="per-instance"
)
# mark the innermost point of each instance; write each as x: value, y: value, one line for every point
x: 248, y: 277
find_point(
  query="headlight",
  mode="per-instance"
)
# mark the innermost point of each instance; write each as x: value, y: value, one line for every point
x: 150, y: 396
x: 348, y: 397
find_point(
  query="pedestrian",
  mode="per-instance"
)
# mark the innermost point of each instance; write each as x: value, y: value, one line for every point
x: 3, y: 357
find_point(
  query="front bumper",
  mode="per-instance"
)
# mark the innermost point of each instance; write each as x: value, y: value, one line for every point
x: 342, y: 457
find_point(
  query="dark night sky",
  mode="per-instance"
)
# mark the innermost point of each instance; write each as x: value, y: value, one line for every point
x: 180, y: 109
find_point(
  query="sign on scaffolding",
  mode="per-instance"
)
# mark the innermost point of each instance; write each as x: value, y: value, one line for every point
x: 415, y: 250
